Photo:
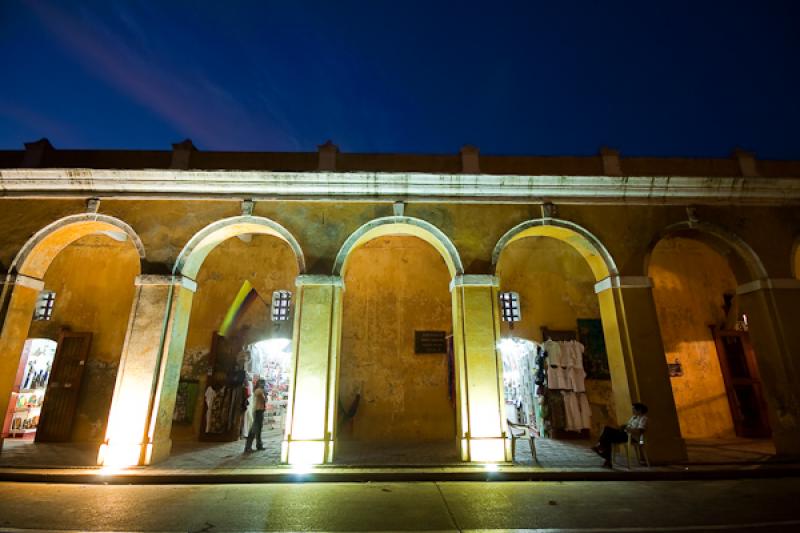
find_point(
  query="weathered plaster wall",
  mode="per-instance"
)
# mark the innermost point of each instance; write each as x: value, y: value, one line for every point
x: 394, y: 286
x: 629, y: 231
x: 689, y: 279
x: 556, y: 287
x: 93, y: 279
x: 268, y: 264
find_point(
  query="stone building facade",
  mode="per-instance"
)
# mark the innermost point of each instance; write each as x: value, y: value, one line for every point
x: 141, y: 250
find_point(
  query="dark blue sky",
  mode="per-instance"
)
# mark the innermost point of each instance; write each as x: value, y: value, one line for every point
x: 649, y: 78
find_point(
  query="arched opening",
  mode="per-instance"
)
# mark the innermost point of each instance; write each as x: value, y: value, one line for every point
x: 87, y: 265
x: 713, y: 367
x: 239, y: 332
x: 556, y: 371
x: 396, y: 376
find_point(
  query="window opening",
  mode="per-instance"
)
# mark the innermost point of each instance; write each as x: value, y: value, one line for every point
x: 44, y: 305
x: 281, y: 305
x: 509, y: 307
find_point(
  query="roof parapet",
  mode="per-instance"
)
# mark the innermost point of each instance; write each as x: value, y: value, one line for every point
x: 36, y: 153
x: 327, y: 156
x: 182, y: 154
x: 611, y: 162
x: 470, y: 160
x: 747, y: 162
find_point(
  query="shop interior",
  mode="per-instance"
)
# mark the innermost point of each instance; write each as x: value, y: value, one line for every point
x: 24, y: 410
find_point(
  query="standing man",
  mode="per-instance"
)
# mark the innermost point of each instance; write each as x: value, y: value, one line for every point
x: 260, y: 399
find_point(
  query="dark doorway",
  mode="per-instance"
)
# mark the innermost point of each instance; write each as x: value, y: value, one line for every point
x: 63, y: 390
x: 742, y: 383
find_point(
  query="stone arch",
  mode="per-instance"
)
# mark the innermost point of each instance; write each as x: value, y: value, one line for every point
x: 36, y: 255
x: 26, y: 279
x: 743, y: 260
x: 364, y: 369
x: 581, y: 239
x: 625, y: 315
x: 704, y: 393
x: 204, y: 241
x: 401, y: 225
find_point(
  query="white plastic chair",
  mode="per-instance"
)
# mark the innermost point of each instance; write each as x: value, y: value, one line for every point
x: 638, y: 446
x: 521, y: 431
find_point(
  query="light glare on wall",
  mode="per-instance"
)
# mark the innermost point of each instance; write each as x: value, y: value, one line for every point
x: 487, y: 450
x: 128, y: 417
x: 306, y: 453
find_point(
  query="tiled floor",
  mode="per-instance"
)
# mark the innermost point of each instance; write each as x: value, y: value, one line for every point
x: 204, y: 455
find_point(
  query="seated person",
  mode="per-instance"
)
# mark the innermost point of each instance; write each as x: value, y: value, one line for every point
x: 634, y: 428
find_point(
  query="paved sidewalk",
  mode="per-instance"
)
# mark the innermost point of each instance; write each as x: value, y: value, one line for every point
x: 196, y: 462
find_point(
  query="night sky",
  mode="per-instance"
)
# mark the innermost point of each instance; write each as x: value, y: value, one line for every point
x: 688, y: 78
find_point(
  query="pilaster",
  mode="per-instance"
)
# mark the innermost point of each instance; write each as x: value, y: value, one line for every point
x: 637, y: 362
x: 771, y: 306
x: 311, y: 414
x: 140, y: 419
x: 481, y: 422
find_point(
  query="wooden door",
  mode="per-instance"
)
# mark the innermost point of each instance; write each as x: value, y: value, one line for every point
x: 742, y: 383
x: 63, y: 387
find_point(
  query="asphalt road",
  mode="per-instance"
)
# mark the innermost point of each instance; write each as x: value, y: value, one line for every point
x: 742, y: 505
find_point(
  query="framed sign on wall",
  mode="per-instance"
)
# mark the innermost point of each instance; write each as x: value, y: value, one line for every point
x: 426, y: 342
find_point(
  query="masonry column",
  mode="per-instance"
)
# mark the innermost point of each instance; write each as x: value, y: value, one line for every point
x: 638, y: 365
x: 140, y: 419
x: 773, y: 312
x: 311, y: 414
x: 17, y: 304
x: 481, y: 421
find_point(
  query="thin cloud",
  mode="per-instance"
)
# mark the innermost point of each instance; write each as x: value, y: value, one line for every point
x: 192, y: 105
x: 36, y: 124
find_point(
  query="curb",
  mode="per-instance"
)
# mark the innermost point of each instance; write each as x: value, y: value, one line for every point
x: 96, y: 477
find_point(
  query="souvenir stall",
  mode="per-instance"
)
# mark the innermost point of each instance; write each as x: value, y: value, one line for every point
x: 236, y: 364
x: 224, y: 399
x: 545, y: 385
x: 36, y: 363
x: 565, y: 411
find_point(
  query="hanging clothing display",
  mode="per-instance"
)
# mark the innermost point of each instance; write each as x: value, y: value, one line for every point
x: 249, y: 409
x: 565, y: 406
x: 216, y: 412
x: 210, y: 395
x: 545, y: 385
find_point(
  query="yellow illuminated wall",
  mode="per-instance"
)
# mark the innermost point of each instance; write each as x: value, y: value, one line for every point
x: 269, y: 264
x: 93, y: 279
x: 689, y: 280
x: 556, y: 287
x: 797, y: 261
x: 394, y: 286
